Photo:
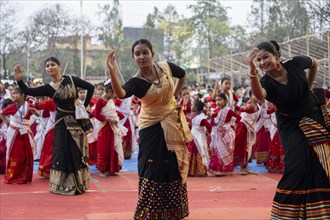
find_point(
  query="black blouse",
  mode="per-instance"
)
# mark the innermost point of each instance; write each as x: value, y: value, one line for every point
x: 47, y: 90
x: 139, y: 87
x: 295, y: 98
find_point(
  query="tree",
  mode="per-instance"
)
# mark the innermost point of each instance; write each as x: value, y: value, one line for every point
x: 52, y: 31
x: 238, y: 39
x: 50, y: 24
x: 182, y: 35
x: 167, y: 21
x: 287, y: 20
x: 152, y: 31
x: 212, y: 27
x: 7, y: 33
x: 111, y: 34
x: 278, y: 19
x: 111, y: 28
x: 319, y: 11
x: 178, y: 34
x: 257, y: 19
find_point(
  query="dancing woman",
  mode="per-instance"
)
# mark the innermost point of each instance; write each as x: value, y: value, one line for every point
x: 163, y: 155
x: 304, y: 189
x: 69, y: 174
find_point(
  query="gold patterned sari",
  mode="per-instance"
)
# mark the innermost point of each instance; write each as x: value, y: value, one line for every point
x: 159, y: 105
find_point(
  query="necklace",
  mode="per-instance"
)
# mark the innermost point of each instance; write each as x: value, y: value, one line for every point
x: 57, y: 84
x: 155, y: 83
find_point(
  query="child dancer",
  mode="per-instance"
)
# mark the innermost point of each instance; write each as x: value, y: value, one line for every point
x: 48, y: 145
x: 109, y: 144
x: 125, y: 107
x: 3, y: 138
x: 39, y: 137
x: 224, y: 86
x: 92, y: 137
x: 262, y: 127
x: 199, y: 156
x: 223, y: 136
x: 20, y: 140
x: 185, y: 102
x: 275, y: 160
x: 245, y: 134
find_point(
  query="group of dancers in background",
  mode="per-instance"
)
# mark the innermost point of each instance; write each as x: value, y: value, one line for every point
x: 112, y: 139
x: 229, y: 129
x: 182, y: 131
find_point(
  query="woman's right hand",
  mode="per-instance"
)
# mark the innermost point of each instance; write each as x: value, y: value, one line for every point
x: 111, y: 61
x: 251, y: 56
x: 18, y: 72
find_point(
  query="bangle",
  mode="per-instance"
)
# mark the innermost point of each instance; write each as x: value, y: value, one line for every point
x: 255, y: 75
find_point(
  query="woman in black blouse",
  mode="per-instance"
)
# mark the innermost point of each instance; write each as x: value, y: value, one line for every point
x: 163, y: 130
x: 69, y: 174
x: 304, y: 190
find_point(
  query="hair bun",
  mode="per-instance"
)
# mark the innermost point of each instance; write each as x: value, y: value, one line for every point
x: 277, y: 47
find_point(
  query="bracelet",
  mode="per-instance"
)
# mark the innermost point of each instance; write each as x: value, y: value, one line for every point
x: 255, y: 75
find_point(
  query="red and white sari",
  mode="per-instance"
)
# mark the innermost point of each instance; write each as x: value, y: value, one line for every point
x: 109, y: 144
x: 245, y: 138
x: 48, y: 144
x: 223, y: 136
x: 129, y: 140
x: 20, y: 144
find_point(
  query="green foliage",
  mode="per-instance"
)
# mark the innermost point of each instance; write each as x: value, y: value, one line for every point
x: 111, y: 28
x: 319, y: 11
x: 191, y: 78
x: 187, y: 41
x: 278, y: 19
x: 212, y: 28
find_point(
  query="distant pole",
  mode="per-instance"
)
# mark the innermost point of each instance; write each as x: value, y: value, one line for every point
x: 81, y: 42
x: 208, y: 62
x: 27, y: 64
x: 328, y: 38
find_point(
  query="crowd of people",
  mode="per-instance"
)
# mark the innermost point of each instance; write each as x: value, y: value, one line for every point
x: 179, y: 130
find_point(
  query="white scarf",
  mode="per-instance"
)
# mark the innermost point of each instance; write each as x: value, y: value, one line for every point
x: 199, y: 133
x: 119, y: 131
x: 17, y: 124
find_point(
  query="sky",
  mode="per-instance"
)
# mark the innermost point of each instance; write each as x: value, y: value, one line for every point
x: 134, y: 11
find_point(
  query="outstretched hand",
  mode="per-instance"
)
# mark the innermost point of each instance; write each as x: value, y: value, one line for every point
x: 18, y: 72
x: 251, y: 58
x: 111, y: 61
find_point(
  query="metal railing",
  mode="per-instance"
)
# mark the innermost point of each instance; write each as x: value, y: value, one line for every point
x: 316, y: 45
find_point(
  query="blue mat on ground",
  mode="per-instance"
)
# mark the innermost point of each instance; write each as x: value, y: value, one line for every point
x: 128, y: 165
x: 253, y: 166
x: 131, y: 166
